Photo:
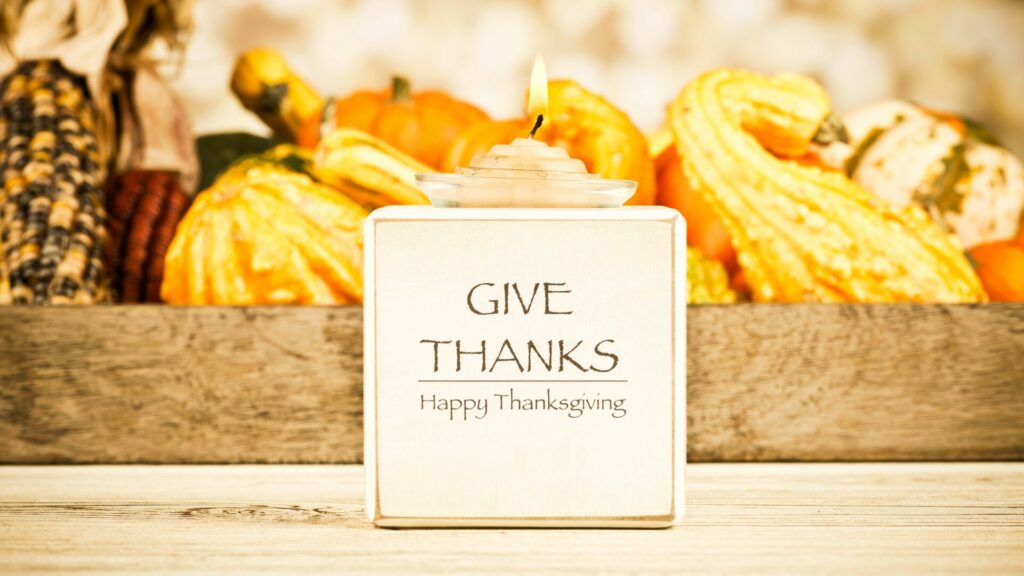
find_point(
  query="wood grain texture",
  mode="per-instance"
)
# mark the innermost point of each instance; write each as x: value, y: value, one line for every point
x: 937, y: 518
x: 856, y: 382
x: 284, y: 384
x: 170, y: 384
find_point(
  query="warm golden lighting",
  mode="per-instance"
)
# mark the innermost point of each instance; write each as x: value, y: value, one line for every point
x: 538, y: 101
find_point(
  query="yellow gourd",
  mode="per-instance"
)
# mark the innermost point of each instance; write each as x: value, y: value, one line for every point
x: 267, y: 86
x: 367, y: 169
x: 706, y: 280
x: 264, y: 234
x: 802, y: 233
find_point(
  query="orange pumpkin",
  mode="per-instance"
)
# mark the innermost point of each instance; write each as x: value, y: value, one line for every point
x: 1000, y: 265
x: 586, y: 125
x: 423, y: 124
x: 704, y: 229
x: 478, y: 139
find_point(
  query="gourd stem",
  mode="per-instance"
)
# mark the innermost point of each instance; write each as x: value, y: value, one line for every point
x: 831, y: 130
x: 400, y: 90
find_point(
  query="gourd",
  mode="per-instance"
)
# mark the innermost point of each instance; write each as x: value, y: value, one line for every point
x: 423, y: 125
x: 478, y: 139
x: 266, y: 234
x: 1001, y: 268
x: 802, y: 233
x: 966, y: 181
x: 704, y: 229
x: 586, y: 125
x: 706, y: 280
x: 267, y: 86
x: 367, y: 169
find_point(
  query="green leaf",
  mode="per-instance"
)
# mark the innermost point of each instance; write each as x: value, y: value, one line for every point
x: 218, y: 151
x: 980, y: 133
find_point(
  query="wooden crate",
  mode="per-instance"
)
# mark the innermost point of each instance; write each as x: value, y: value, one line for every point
x: 284, y: 384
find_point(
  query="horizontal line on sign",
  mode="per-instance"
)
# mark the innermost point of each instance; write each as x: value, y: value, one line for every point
x: 513, y: 380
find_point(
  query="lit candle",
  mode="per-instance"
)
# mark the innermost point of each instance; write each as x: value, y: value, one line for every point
x: 538, y: 99
x: 526, y: 172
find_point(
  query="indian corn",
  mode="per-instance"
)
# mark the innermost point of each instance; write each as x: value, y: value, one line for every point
x: 145, y: 207
x: 51, y: 208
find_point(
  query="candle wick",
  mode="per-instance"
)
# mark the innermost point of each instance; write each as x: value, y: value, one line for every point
x: 536, y: 126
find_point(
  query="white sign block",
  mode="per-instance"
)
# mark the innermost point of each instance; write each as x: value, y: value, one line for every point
x: 525, y: 367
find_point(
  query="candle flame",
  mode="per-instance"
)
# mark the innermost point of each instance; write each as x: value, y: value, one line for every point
x: 538, y: 100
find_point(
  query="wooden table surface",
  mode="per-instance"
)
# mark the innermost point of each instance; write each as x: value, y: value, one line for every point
x: 929, y: 518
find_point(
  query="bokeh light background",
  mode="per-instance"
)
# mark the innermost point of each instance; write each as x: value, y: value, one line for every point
x: 963, y: 55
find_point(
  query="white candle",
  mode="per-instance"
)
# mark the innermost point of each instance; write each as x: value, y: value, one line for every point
x: 526, y: 172
x: 526, y: 158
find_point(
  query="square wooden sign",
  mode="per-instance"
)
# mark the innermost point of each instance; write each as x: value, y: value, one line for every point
x: 525, y: 367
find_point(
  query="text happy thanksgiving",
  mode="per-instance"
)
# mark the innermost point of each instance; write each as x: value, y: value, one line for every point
x: 559, y: 360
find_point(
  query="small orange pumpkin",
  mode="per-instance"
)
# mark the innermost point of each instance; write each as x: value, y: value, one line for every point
x: 1000, y: 265
x: 704, y: 229
x: 586, y: 125
x: 423, y: 124
x: 478, y: 139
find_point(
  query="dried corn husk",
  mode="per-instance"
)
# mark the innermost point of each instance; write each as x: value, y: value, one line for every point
x: 77, y: 33
x: 116, y: 45
x: 156, y: 135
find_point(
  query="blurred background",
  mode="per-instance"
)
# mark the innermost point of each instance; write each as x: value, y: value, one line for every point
x: 963, y: 55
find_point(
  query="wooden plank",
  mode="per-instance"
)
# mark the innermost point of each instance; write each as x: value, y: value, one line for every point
x: 937, y: 518
x: 856, y: 382
x: 283, y: 384
x: 169, y: 384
